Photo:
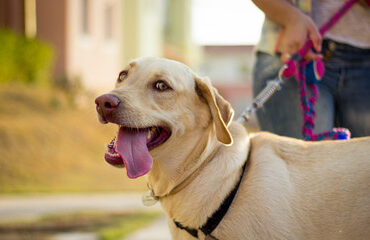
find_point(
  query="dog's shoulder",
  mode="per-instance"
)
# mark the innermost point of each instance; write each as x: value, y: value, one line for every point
x: 275, y: 142
x: 270, y: 146
x: 296, y: 151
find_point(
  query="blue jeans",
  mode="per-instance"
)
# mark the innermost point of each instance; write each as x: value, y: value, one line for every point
x: 344, y: 93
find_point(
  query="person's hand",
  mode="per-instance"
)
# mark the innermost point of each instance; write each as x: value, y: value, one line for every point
x: 295, y: 32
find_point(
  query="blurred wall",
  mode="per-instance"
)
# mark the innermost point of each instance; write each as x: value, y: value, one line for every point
x: 94, y: 42
x: 230, y: 69
x: 228, y: 64
x: 12, y: 15
x: 86, y: 36
x: 52, y: 28
x: 178, y: 33
x: 142, y: 28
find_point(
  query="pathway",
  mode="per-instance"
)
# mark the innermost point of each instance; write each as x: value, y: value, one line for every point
x: 33, y: 206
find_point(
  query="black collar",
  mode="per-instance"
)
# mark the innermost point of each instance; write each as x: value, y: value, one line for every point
x: 217, y: 216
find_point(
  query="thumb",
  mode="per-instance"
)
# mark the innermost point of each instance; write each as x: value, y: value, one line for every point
x: 285, y: 57
x: 315, y: 36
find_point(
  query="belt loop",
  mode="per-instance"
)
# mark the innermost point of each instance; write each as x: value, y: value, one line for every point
x: 332, y: 46
x: 328, y: 52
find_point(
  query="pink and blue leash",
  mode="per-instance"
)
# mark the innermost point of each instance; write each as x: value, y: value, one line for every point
x: 308, y: 75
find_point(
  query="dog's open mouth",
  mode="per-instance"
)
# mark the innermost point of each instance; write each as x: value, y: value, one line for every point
x: 131, y: 148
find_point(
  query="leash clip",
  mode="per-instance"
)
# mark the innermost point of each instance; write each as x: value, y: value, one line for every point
x: 271, y: 87
x: 281, y: 72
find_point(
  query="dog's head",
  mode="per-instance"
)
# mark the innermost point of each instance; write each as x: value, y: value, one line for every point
x: 156, y: 101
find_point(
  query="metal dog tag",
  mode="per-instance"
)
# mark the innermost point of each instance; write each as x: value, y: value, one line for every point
x: 149, y: 199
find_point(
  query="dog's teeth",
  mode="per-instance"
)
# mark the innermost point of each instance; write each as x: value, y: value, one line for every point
x: 149, y: 135
x: 113, y: 154
x: 150, y: 132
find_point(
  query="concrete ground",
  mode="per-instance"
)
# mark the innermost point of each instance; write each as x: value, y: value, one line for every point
x: 158, y: 230
x: 33, y: 206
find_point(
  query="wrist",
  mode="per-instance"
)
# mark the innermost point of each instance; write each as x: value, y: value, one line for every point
x: 292, y: 16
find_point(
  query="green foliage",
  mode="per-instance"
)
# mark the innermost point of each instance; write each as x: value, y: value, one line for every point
x: 127, y: 225
x: 24, y: 59
x: 105, y: 225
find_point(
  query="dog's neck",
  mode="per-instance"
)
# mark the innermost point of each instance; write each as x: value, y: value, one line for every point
x: 207, y: 191
x: 172, y: 167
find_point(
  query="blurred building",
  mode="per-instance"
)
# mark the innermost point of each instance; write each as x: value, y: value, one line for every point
x: 93, y: 40
x: 179, y: 43
x: 85, y: 35
x: 12, y: 15
x: 142, y: 28
x: 228, y: 63
x: 230, y: 69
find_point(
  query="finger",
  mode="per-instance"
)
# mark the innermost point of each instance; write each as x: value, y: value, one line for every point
x: 312, y: 56
x: 285, y: 57
x: 315, y: 36
x: 288, y: 48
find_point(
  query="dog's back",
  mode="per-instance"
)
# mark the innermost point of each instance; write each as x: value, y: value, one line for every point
x: 332, y: 182
x: 306, y: 190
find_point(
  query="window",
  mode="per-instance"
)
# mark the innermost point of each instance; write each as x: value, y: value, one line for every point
x: 85, y: 16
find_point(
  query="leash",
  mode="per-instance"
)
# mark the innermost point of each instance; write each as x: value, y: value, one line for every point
x: 271, y: 87
x: 308, y: 75
x: 295, y: 66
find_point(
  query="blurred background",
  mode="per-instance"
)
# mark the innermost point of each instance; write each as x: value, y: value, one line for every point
x: 55, y: 57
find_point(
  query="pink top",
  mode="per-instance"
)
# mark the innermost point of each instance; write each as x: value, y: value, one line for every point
x: 352, y: 29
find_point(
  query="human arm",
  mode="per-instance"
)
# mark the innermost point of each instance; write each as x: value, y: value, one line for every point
x: 296, y: 27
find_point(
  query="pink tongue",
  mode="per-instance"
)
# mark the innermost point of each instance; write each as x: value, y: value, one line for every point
x: 131, y: 145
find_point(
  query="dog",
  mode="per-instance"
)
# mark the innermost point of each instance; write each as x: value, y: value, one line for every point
x: 176, y: 129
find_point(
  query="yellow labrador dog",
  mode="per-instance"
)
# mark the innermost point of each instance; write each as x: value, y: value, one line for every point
x: 216, y: 182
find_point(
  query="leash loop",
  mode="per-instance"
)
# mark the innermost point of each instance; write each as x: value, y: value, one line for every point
x: 298, y: 66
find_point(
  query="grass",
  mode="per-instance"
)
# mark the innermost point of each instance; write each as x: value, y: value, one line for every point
x: 126, y: 226
x: 107, y: 226
x: 46, y: 145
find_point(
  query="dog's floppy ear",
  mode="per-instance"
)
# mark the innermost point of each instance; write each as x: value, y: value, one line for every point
x: 221, y: 110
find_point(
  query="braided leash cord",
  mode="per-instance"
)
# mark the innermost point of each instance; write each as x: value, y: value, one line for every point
x: 307, y: 106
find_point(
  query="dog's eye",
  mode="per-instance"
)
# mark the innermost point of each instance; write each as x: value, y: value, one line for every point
x: 122, y: 75
x: 161, y: 86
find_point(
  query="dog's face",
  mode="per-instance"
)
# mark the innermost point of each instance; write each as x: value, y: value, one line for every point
x: 156, y: 101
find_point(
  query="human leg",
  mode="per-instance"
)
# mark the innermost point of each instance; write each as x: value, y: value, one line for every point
x: 354, y: 98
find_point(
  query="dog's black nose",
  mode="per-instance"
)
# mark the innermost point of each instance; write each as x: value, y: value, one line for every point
x: 107, y: 102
